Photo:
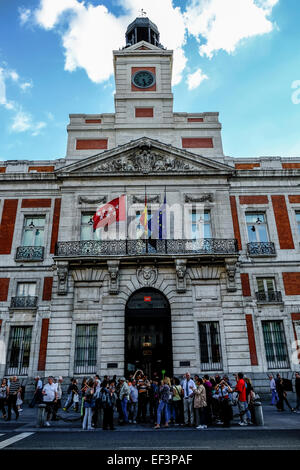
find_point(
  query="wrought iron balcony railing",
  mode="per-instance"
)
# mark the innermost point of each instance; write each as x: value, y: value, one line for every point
x: 204, y: 246
x: 261, y: 249
x: 30, y: 253
x: 269, y: 297
x: 22, y: 301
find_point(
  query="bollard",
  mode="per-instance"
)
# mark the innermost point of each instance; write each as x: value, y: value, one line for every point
x: 258, y: 413
x: 41, y: 416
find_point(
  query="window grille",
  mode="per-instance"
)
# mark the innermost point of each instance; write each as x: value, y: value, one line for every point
x: 19, y: 350
x: 210, y: 346
x: 275, y: 345
x: 85, y: 349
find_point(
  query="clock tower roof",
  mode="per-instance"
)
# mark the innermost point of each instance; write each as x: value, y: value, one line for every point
x: 142, y: 29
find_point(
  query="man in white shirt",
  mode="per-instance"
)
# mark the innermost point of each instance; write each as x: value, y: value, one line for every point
x: 273, y: 390
x: 188, y: 398
x: 50, y: 398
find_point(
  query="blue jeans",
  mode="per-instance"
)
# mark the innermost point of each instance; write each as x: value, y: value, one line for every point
x: 243, y: 411
x: 163, y: 406
x: 274, y: 397
x: 124, y: 409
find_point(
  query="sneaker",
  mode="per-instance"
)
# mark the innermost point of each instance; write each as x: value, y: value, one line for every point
x: 47, y: 423
x: 204, y: 426
x: 199, y: 427
x: 130, y: 421
x: 243, y: 424
x: 134, y: 422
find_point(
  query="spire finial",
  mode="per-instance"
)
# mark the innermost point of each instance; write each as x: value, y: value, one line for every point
x: 143, y: 13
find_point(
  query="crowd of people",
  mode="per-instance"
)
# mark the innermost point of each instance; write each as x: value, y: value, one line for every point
x: 279, y: 388
x: 192, y: 401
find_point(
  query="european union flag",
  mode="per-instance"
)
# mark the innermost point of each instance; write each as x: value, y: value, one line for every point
x: 157, y: 225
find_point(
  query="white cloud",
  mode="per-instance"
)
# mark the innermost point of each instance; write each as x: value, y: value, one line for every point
x: 24, y: 14
x: 26, y: 85
x: 195, y: 79
x: 90, y: 32
x: 224, y: 24
x: 23, y: 122
x: 3, y: 99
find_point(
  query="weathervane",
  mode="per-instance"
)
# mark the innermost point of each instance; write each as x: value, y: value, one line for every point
x: 143, y: 12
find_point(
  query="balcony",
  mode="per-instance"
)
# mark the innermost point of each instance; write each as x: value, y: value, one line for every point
x: 24, y: 302
x: 128, y: 248
x: 271, y: 297
x: 261, y: 249
x: 30, y: 253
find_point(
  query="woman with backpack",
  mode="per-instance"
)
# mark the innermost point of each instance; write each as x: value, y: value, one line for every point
x: 89, y: 404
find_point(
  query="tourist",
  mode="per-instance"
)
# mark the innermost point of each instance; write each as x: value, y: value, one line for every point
x: 282, y: 396
x: 297, y: 390
x: 59, y: 396
x: 13, y: 389
x: 188, y: 386
x: 223, y: 390
x: 109, y: 399
x: 89, y: 403
x: 50, y: 398
x: 71, y: 392
x: 3, y: 397
x: 164, y: 396
x: 200, y: 404
x: 37, y: 396
x: 208, y: 388
x: 97, y: 415
x: 142, y: 386
x: 242, y: 399
x: 133, y: 402
x: 273, y: 390
x: 154, y: 398
x: 176, y: 402
x: 124, y: 397
x: 250, y: 395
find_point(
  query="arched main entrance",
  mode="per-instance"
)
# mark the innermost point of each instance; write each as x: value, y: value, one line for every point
x: 148, y: 333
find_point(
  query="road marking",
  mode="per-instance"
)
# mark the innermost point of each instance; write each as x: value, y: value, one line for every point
x: 14, y: 439
x: 162, y: 448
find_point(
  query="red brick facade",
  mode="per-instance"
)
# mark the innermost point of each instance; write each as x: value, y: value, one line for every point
x: 195, y: 120
x: 47, y: 289
x: 144, y: 112
x: 294, y: 199
x: 251, y: 339
x: 2, y: 169
x: 55, y: 225
x: 246, y: 166
x: 235, y: 221
x: 283, y: 223
x: 91, y: 144
x: 36, y: 203
x: 93, y: 121
x: 290, y: 165
x: 245, y: 285
x: 291, y: 283
x: 7, y: 226
x: 253, y: 199
x: 197, y: 142
x: 4, y: 285
x: 43, y: 344
x: 41, y: 169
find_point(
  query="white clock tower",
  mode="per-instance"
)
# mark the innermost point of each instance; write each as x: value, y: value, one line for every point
x: 143, y: 75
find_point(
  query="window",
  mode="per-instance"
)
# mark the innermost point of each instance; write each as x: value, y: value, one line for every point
x: 200, y: 224
x: 26, y: 289
x: 298, y: 221
x: 19, y: 350
x: 85, y: 349
x: 267, y: 290
x: 33, y: 231
x: 210, y: 346
x: 275, y: 344
x: 257, y: 227
x: 87, y: 230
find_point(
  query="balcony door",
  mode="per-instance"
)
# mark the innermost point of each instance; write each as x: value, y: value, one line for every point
x: 148, y: 334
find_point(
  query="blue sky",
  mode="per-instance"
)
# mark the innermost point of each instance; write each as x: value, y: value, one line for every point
x: 56, y: 59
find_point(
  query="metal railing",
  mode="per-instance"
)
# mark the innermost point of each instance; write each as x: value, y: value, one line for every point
x: 30, y: 253
x: 141, y: 247
x: 269, y: 297
x: 261, y: 249
x: 28, y: 301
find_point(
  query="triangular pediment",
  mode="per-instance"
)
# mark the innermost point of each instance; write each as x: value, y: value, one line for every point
x: 142, y: 157
x: 143, y: 45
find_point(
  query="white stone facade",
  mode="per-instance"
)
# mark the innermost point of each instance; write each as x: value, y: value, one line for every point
x: 94, y: 288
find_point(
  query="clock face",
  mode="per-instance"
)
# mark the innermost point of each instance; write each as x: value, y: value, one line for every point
x: 143, y: 79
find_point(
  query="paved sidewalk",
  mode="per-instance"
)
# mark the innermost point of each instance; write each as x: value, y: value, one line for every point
x: 70, y: 421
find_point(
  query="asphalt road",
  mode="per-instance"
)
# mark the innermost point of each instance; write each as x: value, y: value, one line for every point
x: 238, y: 439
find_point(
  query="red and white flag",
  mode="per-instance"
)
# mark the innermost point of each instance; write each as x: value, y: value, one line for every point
x: 113, y: 211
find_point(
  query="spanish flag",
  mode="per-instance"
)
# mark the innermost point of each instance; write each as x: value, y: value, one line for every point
x: 144, y: 218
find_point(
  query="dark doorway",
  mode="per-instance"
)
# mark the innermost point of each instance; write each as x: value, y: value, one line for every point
x: 148, y: 333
